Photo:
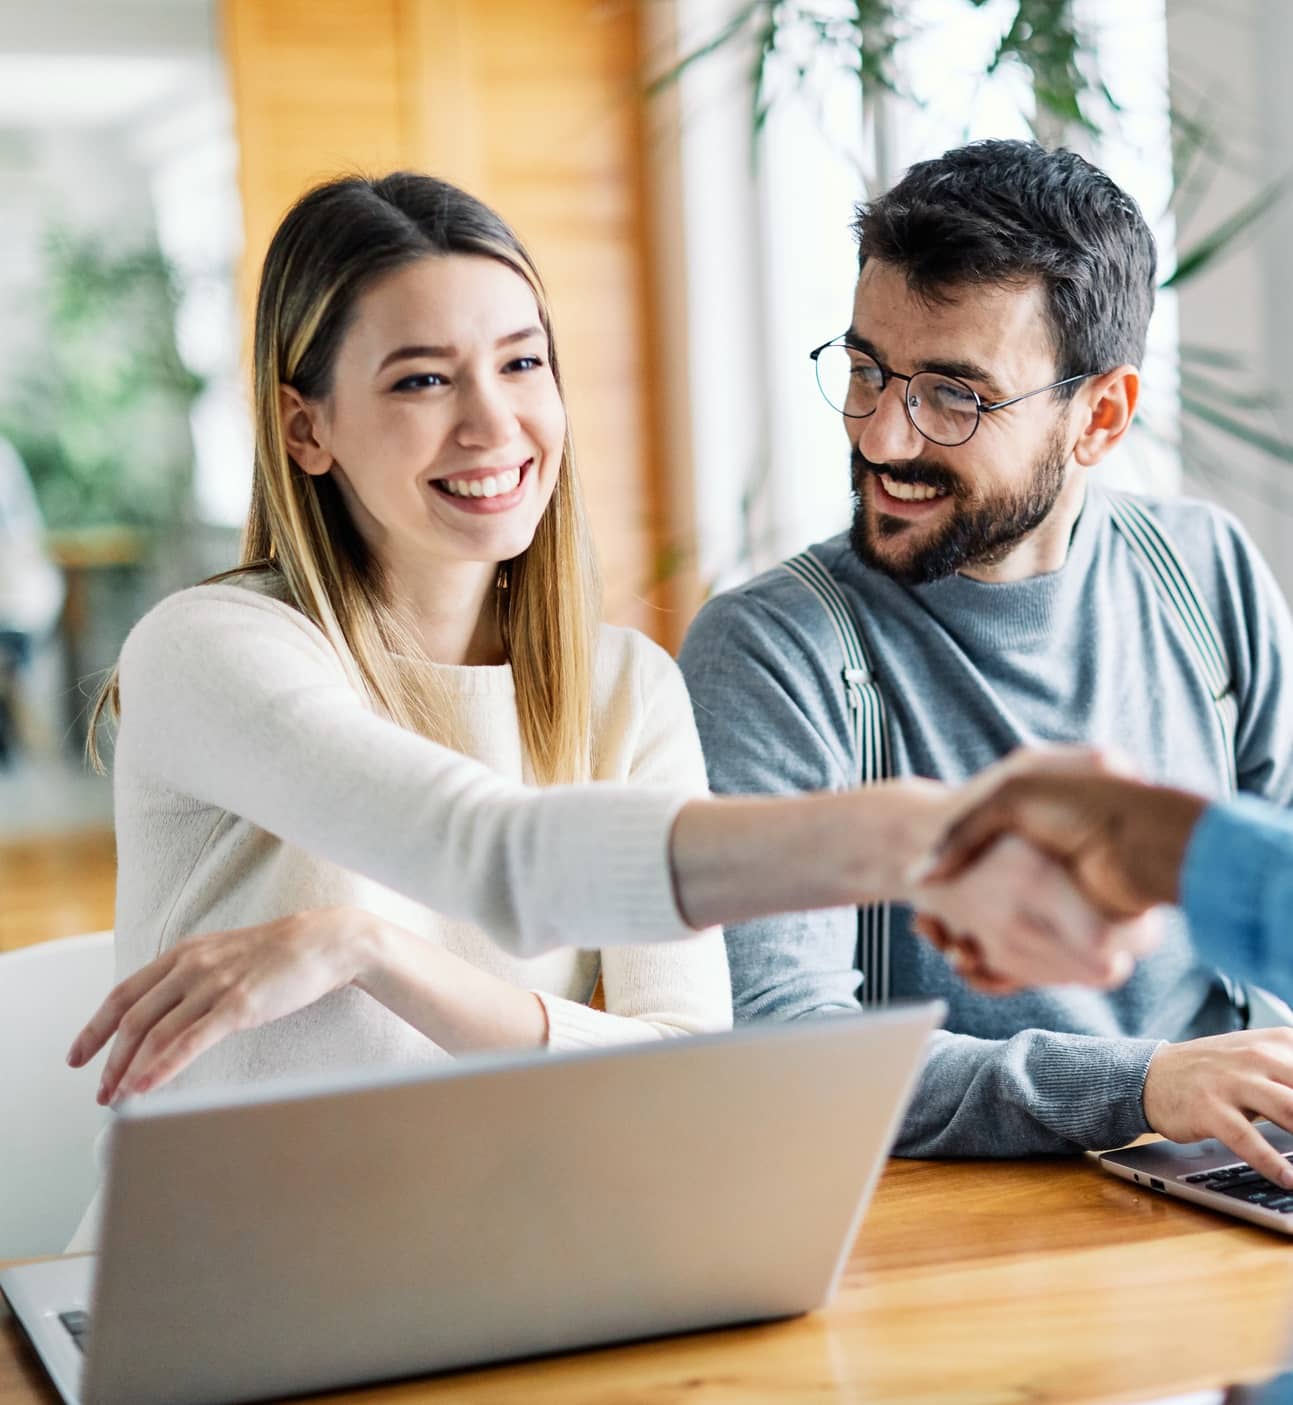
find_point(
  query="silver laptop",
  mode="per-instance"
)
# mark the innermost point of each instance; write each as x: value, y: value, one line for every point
x: 1210, y: 1174
x: 316, y: 1235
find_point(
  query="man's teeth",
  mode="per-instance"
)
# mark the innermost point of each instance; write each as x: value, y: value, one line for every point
x: 492, y: 487
x: 910, y: 492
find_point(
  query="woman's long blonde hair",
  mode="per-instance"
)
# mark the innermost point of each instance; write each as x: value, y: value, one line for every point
x: 336, y: 241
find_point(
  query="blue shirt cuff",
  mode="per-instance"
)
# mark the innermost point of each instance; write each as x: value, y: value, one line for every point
x: 1237, y: 891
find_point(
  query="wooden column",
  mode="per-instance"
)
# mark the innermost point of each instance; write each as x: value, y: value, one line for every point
x: 537, y: 109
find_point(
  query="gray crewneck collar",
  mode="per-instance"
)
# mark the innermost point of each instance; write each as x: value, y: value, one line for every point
x: 1019, y: 614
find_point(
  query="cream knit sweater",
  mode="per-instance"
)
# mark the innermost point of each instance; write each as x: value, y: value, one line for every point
x: 252, y: 781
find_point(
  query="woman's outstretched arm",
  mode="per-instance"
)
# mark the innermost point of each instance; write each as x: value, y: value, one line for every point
x: 236, y: 701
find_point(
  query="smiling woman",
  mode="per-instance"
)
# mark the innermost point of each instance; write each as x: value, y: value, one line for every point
x: 445, y: 457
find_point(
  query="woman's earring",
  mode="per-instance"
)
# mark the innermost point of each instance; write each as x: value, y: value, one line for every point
x: 503, y: 603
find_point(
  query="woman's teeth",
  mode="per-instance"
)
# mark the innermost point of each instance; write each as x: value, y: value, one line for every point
x: 492, y: 487
x: 910, y: 492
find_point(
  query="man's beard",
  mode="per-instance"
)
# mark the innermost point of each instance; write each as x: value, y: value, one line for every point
x: 980, y: 533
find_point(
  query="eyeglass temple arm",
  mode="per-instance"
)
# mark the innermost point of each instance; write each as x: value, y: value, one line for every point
x: 1041, y: 390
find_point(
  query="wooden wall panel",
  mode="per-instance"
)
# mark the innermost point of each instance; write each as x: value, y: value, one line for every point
x: 317, y: 89
x: 537, y: 109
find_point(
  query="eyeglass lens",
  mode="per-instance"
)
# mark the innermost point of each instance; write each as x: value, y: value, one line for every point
x: 942, y: 408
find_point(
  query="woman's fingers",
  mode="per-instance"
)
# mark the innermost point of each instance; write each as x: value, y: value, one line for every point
x: 190, y: 1029
x: 136, y: 1026
x: 1139, y: 936
x: 213, y: 985
x: 1054, y: 898
x: 203, y: 1034
x: 926, y: 925
x: 1030, y: 950
x: 964, y: 955
x: 1120, y: 965
x: 103, y: 1024
x: 985, y: 981
x: 1016, y: 919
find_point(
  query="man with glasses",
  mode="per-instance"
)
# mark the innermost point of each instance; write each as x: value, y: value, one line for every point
x: 991, y: 594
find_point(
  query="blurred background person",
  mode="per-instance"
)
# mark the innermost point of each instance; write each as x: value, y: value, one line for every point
x: 31, y: 591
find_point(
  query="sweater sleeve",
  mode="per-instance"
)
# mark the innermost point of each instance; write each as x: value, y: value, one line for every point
x: 1037, y: 1093
x: 1237, y: 891
x: 761, y: 682
x: 654, y: 991
x: 236, y: 701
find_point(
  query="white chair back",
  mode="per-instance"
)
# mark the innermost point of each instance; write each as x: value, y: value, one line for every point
x: 48, y: 1116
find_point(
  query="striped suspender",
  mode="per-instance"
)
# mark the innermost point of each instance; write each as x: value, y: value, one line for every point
x: 1155, y: 551
x: 870, y: 727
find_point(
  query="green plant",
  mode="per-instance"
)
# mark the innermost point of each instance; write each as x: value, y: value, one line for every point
x: 795, y: 41
x: 799, y: 44
x: 101, y: 420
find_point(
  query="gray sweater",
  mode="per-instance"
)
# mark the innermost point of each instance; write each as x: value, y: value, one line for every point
x: 969, y: 671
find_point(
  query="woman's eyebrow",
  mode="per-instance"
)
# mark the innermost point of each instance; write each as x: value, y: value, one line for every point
x: 523, y: 335
x: 434, y: 353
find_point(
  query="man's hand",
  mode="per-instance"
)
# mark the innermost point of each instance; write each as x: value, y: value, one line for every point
x: 1122, y: 840
x: 1213, y: 1088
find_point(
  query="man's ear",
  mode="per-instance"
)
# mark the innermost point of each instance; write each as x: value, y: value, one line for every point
x: 302, y: 431
x: 1105, y: 407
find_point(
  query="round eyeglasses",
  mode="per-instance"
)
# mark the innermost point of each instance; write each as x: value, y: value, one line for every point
x: 943, y: 408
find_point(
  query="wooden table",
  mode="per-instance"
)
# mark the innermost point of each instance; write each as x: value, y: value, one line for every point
x: 1017, y: 1283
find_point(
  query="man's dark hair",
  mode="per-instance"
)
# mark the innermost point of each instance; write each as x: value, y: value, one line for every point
x: 1010, y: 212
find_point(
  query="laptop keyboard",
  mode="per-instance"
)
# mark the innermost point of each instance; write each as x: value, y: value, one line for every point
x: 1241, y: 1182
x: 77, y: 1324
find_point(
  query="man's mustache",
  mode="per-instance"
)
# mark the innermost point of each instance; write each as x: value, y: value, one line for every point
x: 918, y: 471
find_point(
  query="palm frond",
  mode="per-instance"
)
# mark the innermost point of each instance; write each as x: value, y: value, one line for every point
x: 1209, y: 388
x: 1272, y: 444
x: 1191, y: 353
x: 1223, y: 238
x: 722, y: 37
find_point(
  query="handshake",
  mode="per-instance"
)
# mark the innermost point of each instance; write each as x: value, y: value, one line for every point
x: 1046, y: 873
x: 1119, y: 842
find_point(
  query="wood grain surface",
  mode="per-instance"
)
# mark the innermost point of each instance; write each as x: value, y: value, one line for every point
x: 56, y: 886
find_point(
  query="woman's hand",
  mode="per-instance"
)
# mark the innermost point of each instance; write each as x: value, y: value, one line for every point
x: 1016, y: 917
x: 208, y: 987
